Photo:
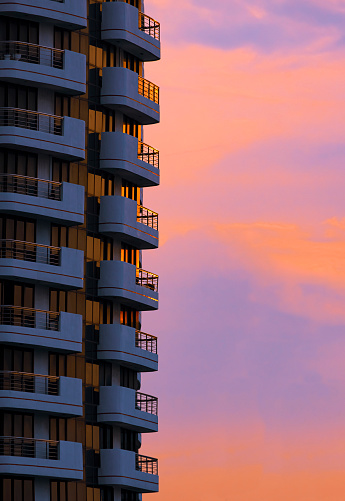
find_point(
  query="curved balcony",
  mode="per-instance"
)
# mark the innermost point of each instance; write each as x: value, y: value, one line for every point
x: 63, y: 137
x: 124, y: 90
x: 30, y: 262
x: 125, y: 407
x: 124, y: 155
x: 48, y: 330
x: 70, y: 14
x: 34, y: 392
x: 129, y: 470
x: 136, y: 287
x: 134, y: 31
x: 123, y: 217
x: 42, y: 199
x: 126, y: 346
x: 59, y: 70
x: 41, y: 458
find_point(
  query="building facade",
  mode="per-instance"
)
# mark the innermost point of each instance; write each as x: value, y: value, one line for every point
x: 73, y: 168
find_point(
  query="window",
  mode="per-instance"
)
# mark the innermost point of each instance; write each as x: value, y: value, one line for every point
x: 60, y: 170
x: 129, y: 440
x: 131, y: 127
x: 129, y: 378
x: 62, y: 105
x: 15, y: 294
x: 127, y: 495
x: 130, y: 190
x: 129, y: 254
x: 14, y: 228
x: 17, y: 489
x: 14, y: 359
x: 62, y: 39
x: 132, y: 63
x: 16, y: 424
x: 129, y: 316
x: 18, y: 162
x: 18, y: 30
x: 16, y: 96
x: 106, y: 436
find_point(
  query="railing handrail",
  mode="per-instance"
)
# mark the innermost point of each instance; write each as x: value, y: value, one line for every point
x: 53, y: 49
x: 141, y: 456
x: 148, y: 146
x: 140, y: 270
x: 148, y: 210
x: 20, y: 176
x: 147, y: 397
x: 145, y: 334
x: 33, y: 244
x: 148, y: 82
x: 48, y: 312
x: 153, y: 26
x: 30, y: 112
x: 53, y: 378
x: 55, y: 442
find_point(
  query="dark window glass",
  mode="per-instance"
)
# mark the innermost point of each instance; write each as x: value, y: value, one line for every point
x: 17, y: 96
x: 15, y: 359
x: 18, y: 30
x: 129, y: 440
x: 16, y: 489
x: 16, y: 424
x: 18, y: 162
x: 13, y: 294
x: 129, y: 378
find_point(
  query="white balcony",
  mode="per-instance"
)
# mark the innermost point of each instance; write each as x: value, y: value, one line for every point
x: 41, y: 458
x: 70, y: 14
x: 124, y: 155
x: 125, y: 407
x: 134, y: 224
x: 123, y: 90
x: 124, y: 26
x: 61, y: 267
x: 63, y: 137
x: 60, y: 396
x: 42, y: 199
x: 126, y: 346
x: 135, y: 287
x: 128, y: 470
x: 41, y: 329
x: 60, y: 70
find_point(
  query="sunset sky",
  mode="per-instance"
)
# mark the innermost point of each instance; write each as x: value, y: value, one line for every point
x: 251, y: 326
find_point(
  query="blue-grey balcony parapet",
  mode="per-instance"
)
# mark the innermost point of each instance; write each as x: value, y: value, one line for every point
x: 128, y: 346
x: 38, y: 393
x: 128, y: 469
x: 124, y: 155
x: 63, y: 137
x: 38, y: 328
x: 132, y: 30
x: 135, y: 287
x: 124, y: 90
x: 125, y: 407
x: 123, y: 217
x: 70, y: 14
x: 61, y: 267
x: 41, y: 458
x: 42, y: 199
x: 59, y: 70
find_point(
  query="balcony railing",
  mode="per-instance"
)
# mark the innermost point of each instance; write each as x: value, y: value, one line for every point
x: 33, y: 120
x: 27, y: 251
x: 149, y: 26
x: 146, y: 342
x: 148, y: 89
x: 147, y: 279
x: 146, y: 464
x: 147, y: 217
x: 146, y: 403
x: 148, y: 154
x: 29, y: 317
x: 34, y: 187
x: 31, y: 53
x: 31, y: 383
x: 29, y: 448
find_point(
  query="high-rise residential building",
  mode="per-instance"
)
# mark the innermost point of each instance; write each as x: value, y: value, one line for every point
x: 73, y: 285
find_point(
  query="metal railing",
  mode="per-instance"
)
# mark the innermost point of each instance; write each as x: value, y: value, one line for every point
x: 147, y: 217
x: 149, y: 26
x: 29, y: 448
x: 31, y: 53
x: 146, y: 342
x: 147, y: 279
x: 27, y: 251
x: 148, y: 154
x: 146, y: 464
x: 146, y: 403
x: 33, y: 120
x: 148, y: 89
x: 32, y: 186
x: 29, y: 317
x: 32, y: 383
